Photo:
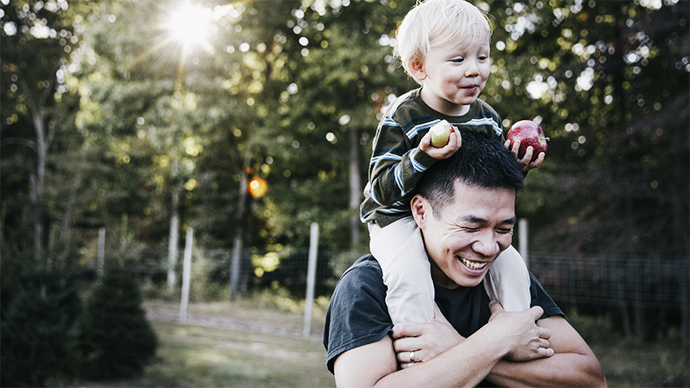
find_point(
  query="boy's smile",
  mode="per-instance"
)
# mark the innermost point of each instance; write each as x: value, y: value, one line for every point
x: 454, y: 73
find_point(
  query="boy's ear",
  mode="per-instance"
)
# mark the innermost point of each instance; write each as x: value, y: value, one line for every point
x: 416, y: 66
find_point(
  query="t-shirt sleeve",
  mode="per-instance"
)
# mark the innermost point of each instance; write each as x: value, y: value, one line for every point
x: 542, y: 299
x: 357, y: 314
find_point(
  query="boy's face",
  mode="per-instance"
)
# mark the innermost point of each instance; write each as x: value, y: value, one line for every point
x: 454, y: 73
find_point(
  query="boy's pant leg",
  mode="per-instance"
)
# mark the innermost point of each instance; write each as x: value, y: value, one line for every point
x: 508, y: 281
x: 399, y: 249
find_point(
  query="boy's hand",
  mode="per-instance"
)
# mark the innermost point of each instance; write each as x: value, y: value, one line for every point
x: 525, y: 162
x: 445, y: 152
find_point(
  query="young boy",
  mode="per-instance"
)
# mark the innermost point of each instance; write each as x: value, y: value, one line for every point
x: 444, y: 45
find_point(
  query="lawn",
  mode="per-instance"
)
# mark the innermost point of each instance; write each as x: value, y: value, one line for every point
x: 212, y: 352
x: 248, y: 344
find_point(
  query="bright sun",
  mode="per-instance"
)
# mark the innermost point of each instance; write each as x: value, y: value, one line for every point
x: 190, y: 24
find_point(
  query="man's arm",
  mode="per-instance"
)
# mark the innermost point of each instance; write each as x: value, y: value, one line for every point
x: 573, y: 364
x: 466, y: 364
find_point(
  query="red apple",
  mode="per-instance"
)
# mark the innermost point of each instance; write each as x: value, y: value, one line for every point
x: 530, y: 135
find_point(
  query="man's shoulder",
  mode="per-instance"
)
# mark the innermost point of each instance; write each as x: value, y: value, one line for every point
x: 357, y: 314
x: 364, y: 271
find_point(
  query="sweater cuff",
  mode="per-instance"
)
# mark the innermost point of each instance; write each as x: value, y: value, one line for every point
x: 424, y: 159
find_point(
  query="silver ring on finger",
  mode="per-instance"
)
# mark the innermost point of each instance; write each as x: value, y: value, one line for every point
x: 412, y: 356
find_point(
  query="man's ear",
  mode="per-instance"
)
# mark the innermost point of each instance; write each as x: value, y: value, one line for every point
x: 420, y: 210
x: 416, y: 66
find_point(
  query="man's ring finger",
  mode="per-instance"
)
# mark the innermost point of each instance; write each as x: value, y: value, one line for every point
x: 412, y: 356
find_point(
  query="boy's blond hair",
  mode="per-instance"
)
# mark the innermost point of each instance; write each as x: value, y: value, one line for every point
x: 434, y: 22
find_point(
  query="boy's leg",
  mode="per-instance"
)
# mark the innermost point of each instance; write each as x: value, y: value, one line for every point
x: 400, y: 251
x: 508, y: 281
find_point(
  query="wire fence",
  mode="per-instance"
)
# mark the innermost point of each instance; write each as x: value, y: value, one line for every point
x: 572, y: 279
x: 615, y: 281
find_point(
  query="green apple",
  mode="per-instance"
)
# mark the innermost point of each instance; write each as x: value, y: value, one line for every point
x: 440, y: 133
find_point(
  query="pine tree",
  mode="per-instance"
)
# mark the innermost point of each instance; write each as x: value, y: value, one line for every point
x: 117, y: 338
x: 39, y: 327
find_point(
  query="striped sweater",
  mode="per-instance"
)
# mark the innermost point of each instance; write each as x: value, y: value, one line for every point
x: 397, y: 163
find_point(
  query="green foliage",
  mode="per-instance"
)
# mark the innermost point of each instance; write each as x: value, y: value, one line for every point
x: 38, y: 323
x: 117, y: 338
x: 291, y: 91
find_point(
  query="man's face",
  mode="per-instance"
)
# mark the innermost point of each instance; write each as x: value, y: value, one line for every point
x: 469, y: 234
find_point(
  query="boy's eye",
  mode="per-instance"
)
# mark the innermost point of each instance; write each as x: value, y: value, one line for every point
x: 458, y: 60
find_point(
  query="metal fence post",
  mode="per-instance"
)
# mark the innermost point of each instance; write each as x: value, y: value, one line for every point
x: 522, y: 231
x: 311, y: 278
x: 186, y: 274
x: 101, y: 252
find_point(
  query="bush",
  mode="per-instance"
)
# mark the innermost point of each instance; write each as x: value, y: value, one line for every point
x: 39, y: 327
x: 117, y: 339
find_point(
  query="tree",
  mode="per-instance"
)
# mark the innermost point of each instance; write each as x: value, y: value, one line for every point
x: 608, y: 81
x: 37, y: 41
x: 117, y: 339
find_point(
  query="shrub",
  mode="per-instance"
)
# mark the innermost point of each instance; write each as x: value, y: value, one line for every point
x: 117, y: 339
x: 39, y: 330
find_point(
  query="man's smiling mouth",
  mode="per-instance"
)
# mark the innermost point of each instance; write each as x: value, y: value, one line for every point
x: 471, y: 264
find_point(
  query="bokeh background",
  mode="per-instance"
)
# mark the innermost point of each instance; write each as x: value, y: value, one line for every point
x: 125, y: 123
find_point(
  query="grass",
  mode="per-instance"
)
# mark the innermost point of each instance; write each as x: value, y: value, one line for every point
x: 257, y: 342
x: 249, y: 350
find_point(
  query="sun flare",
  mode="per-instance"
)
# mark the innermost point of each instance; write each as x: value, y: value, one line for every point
x: 190, y: 25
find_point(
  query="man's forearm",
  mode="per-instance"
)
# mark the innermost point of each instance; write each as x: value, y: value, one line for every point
x: 559, y: 370
x: 464, y: 365
x: 573, y: 364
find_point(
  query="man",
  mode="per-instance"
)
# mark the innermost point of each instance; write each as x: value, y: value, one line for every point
x: 465, y: 209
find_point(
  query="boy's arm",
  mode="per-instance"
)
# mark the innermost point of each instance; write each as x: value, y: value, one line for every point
x: 397, y: 166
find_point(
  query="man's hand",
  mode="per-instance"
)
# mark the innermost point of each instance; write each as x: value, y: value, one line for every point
x: 531, y: 341
x: 525, y: 162
x: 426, y: 339
x: 444, y: 152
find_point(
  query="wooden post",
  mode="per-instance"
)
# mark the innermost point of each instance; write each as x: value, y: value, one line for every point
x: 522, y: 230
x: 311, y: 278
x: 186, y: 274
x: 172, y: 242
x: 101, y: 252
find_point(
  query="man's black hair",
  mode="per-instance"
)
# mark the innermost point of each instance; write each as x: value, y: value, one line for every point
x: 480, y: 162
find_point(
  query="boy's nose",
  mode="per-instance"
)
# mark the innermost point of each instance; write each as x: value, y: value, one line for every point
x: 472, y: 69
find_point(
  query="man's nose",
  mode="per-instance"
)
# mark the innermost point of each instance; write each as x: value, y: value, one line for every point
x: 486, y: 244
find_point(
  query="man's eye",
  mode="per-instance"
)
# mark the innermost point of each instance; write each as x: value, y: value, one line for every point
x: 504, y: 230
x: 471, y: 230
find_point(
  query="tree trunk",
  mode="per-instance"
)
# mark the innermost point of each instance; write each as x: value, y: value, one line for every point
x: 355, y: 188
x: 174, y: 239
x: 3, y: 214
x: 683, y: 241
x: 236, y: 261
x: 37, y: 184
